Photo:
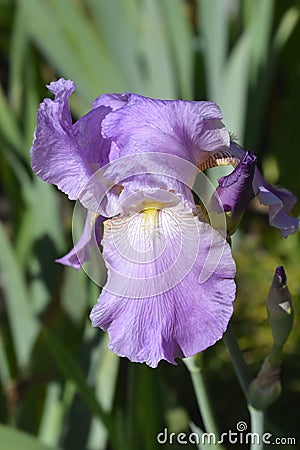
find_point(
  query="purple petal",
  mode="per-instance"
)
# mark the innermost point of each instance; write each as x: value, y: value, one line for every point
x: 114, y: 101
x: 236, y: 150
x: 87, y: 131
x: 280, y: 278
x: 90, y: 238
x: 65, y: 154
x: 235, y: 190
x: 112, y: 186
x: 280, y: 202
x: 189, y: 130
x: 56, y: 157
x: 154, y: 306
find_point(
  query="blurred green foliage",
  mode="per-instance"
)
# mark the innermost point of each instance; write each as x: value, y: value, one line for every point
x: 58, y: 380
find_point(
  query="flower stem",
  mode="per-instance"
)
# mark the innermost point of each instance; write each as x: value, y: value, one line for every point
x: 202, y: 396
x: 257, y: 427
x: 275, y: 355
x: 245, y: 378
x: 238, y: 361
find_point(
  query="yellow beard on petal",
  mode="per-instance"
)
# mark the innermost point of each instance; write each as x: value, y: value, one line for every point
x: 150, y: 216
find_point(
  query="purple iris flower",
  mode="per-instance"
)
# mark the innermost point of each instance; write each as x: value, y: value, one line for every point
x: 239, y: 187
x: 131, y: 161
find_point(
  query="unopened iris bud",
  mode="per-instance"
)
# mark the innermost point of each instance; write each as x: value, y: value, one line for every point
x: 266, y: 387
x: 280, y: 308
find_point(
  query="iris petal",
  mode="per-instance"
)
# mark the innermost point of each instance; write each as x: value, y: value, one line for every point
x: 114, y: 101
x: 154, y: 306
x: 90, y: 237
x: 189, y: 130
x: 55, y: 154
x: 235, y: 190
x: 280, y: 202
x: 67, y: 154
x: 113, y: 185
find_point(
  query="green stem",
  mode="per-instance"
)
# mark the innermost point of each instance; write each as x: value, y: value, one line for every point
x: 244, y: 377
x: 202, y: 397
x: 238, y: 361
x: 257, y: 427
x: 274, y: 357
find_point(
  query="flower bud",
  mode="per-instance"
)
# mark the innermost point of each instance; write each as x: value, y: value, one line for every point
x: 266, y: 387
x: 280, y: 308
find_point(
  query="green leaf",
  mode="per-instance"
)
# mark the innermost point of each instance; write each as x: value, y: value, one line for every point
x: 104, y: 372
x: 159, y: 72
x: 285, y: 28
x: 212, y: 19
x: 24, y: 326
x: 55, y: 407
x: 178, y: 25
x: 74, y: 292
x: 12, y: 439
x: 18, y: 53
x: 41, y: 222
x: 45, y: 204
x: 30, y: 107
x: 8, y: 125
x: 233, y: 97
x: 71, y: 371
x: 72, y: 45
x: 259, y: 18
x: 257, y: 105
x: 118, y: 24
x: 5, y: 375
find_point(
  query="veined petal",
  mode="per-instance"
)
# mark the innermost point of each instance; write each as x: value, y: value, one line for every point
x: 189, y: 130
x: 124, y: 180
x: 67, y: 154
x: 55, y: 154
x: 154, y: 305
x: 87, y: 132
x: 235, y: 190
x: 91, y: 237
x: 114, y: 101
x: 280, y: 202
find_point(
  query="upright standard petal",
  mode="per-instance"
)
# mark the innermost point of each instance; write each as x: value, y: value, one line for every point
x: 235, y: 190
x: 153, y: 306
x: 114, y: 101
x: 55, y: 154
x: 67, y: 154
x: 190, y: 130
x: 88, y: 129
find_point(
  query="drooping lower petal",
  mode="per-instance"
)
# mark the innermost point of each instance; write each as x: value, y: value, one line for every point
x: 280, y: 202
x: 90, y: 238
x: 170, y: 286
